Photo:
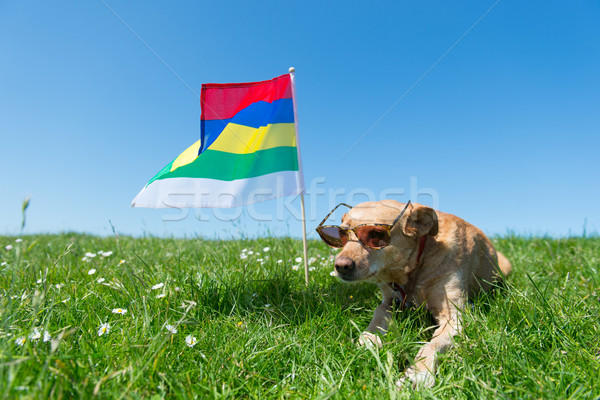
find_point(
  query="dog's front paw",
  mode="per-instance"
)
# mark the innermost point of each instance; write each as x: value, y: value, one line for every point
x: 370, y: 339
x: 416, y: 379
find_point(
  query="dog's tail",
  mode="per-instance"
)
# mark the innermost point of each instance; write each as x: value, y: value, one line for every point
x: 504, y: 264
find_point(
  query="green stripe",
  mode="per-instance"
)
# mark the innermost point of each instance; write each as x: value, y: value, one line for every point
x: 213, y: 164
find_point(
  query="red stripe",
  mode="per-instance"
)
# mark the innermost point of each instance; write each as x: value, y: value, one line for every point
x: 224, y: 100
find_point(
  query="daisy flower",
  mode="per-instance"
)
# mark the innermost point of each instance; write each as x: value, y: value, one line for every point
x: 104, y: 329
x: 298, y: 259
x: 8, y: 247
x: 18, y: 240
x: 121, y: 311
x: 171, y: 328
x: 333, y: 273
x: 121, y: 262
x: 100, y: 280
x: 158, y: 286
x: 106, y: 253
x: 91, y: 271
x: 160, y: 295
x: 243, y: 256
x: 47, y: 337
x: 295, y: 267
x: 20, y: 341
x: 311, y: 260
x: 35, y: 334
x: 265, y: 249
x: 190, y: 341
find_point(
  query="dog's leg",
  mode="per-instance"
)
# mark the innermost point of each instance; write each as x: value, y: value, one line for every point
x: 381, y: 320
x: 422, y: 373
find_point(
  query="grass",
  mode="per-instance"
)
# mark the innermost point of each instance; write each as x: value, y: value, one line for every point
x: 261, y: 333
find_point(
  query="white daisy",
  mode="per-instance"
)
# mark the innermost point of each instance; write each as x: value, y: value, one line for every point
x: 91, y: 271
x: 298, y: 259
x: 35, y: 334
x: 311, y: 269
x: 4, y: 264
x: 243, y: 256
x: 90, y: 255
x: 171, y: 328
x: 100, y: 280
x: 121, y: 262
x: 158, y: 286
x: 279, y: 261
x: 265, y: 249
x: 59, y: 285
x: 47, y: 336
x: 20, y: 341
x: 160, y: 295
x: 190, y: 341
x: 18, y: 240
x: 295, y: 267
x: 250, y: 252
x: 333, y: 273
x: 106, y: 253
x: 8, y: 247
x: 177, y: 288
x: 104, y: 329
x: 311, y: 260
x: 121, y: 311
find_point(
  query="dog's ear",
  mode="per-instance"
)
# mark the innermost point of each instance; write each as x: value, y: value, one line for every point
x: 421, y: 221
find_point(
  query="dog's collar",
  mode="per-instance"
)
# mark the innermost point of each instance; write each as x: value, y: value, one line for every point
x: 396, y: 287
x: 421, y: 248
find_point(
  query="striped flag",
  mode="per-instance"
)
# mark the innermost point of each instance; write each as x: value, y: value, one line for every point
x: 248, y: 150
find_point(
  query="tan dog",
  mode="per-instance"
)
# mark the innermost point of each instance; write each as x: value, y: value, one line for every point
x: 433, y: 258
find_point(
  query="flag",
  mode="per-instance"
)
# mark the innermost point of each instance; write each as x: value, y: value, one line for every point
x: 248, y: 150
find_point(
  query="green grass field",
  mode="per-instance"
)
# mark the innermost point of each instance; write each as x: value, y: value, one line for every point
x: 259, y: 332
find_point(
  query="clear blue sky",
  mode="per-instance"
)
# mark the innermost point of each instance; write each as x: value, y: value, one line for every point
x: 504, y: 130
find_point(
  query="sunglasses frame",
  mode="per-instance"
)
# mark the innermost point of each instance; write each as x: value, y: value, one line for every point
x: 389, y: 227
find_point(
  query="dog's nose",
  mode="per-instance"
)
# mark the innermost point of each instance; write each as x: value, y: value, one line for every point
x: 344, y: 264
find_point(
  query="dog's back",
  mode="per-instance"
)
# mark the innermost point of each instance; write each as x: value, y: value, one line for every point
x: 472, y: 253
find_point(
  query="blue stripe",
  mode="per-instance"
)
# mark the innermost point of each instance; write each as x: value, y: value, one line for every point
x: 255, y: 115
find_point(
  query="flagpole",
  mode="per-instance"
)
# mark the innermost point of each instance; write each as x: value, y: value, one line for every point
x: 292, y: 70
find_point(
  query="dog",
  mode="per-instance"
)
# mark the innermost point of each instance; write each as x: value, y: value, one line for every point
x: 428, y: 258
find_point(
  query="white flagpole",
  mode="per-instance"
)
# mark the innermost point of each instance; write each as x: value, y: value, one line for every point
x: 304, y: 242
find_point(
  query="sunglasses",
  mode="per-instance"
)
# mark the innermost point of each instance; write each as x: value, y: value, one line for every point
x: 375, y: 236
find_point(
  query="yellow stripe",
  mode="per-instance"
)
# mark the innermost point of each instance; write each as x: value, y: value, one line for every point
x: 240, y: 139
x: 189, y: 155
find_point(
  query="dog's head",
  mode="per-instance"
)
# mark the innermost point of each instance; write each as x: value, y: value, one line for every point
x: 357, y: 262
